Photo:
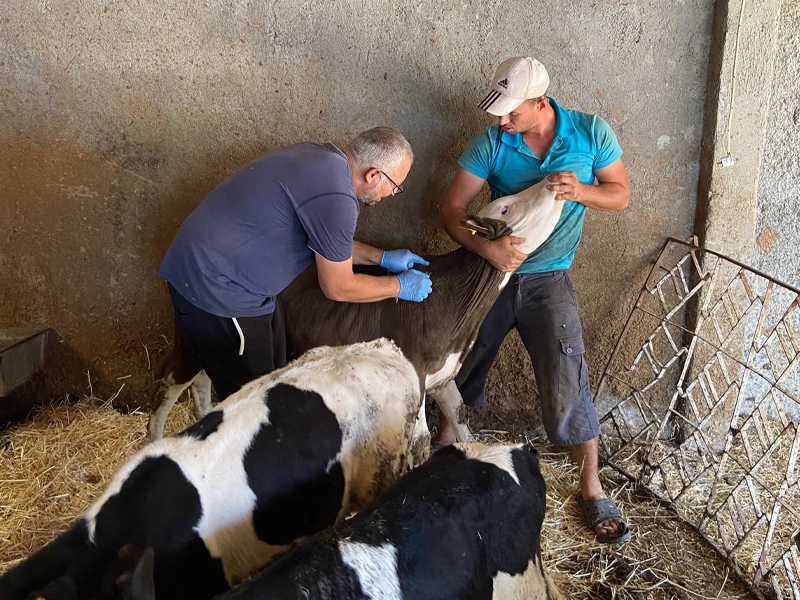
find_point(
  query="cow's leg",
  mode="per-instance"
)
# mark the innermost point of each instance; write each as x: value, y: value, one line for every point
x: 420, y: 447
x: 201, y: 395
x: 168, y: 393
x: 449, y: 401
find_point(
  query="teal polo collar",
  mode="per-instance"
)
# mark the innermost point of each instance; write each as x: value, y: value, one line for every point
x: 564, y: 129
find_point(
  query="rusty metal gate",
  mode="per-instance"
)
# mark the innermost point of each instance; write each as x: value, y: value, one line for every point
x: 700, y: 404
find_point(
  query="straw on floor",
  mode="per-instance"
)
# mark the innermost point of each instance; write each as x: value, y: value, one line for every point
x: 53, y: 466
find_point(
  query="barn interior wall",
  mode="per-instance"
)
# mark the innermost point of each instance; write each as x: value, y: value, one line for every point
x: 777, y: 248
x: 116, y: 120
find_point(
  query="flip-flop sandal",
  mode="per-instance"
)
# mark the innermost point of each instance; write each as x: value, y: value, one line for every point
x: 597, y: 511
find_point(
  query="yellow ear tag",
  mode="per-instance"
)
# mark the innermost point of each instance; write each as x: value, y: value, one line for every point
x: 473, y: 232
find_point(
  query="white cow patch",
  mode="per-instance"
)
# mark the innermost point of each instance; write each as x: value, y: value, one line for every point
x: 500, y: 456
x: 215, y: 468
x: 447, y: 373
x: 533, y: 584
x: 372, y: 390
x: 531, y: 214
x: 375, y: 567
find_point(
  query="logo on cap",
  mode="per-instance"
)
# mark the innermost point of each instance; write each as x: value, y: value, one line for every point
x: 503, y: 83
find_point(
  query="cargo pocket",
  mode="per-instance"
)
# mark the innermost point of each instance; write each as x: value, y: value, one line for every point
x: 572, y: 373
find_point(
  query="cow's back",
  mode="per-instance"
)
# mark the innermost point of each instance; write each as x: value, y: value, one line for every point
x: 430, y: 333
x: 466, y: 524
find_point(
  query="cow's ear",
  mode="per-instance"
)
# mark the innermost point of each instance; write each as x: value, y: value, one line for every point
x: 139, y: 584
x: 491, y: 229
x: 477, y: 226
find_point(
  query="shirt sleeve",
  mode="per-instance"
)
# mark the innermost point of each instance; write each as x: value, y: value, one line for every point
x: 608, y: 148
x: 477, y: 156
x: 330, y: 224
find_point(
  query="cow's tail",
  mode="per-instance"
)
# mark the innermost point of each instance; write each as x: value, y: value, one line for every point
x: 51, y: 567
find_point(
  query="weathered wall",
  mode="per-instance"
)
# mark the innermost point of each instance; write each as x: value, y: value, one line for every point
x: 777, y: 249
x: 736, y: 111
x: 116, y: 119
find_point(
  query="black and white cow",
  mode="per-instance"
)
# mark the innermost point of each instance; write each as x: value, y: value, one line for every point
x: 284, y: 457
x: 435, y: 335
x: 466, y: 525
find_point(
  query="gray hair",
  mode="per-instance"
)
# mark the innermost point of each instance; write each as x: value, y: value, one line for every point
x: 380, y: 147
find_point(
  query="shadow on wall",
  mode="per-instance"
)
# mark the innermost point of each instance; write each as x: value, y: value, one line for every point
x: 63, y: 369
x: 88, y: 237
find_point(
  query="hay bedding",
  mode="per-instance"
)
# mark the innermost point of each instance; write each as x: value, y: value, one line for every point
x: 52, y: 467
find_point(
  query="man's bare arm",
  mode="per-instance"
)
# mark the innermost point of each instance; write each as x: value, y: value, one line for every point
x: 500, y: 252
x: 364, y: 254
x: 338, y: 282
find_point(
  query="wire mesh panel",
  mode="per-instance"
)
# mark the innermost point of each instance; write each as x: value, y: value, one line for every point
x: 700, y: 403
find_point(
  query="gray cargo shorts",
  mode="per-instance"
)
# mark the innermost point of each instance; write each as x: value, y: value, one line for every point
x: 544, y: 310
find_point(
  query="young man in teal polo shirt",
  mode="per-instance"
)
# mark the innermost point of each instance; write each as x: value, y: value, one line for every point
x: 536, y: 138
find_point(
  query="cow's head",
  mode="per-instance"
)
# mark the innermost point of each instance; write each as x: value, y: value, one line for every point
x: 135, y: 580
x: 129, y: 577
x: 532, y: 214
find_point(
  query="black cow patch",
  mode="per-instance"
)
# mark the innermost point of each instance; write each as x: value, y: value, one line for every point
x: 454, y: 522
x: 471, y: 515
x: 204, y: 427
x: 311, y: 570
x: 287, y: 468
x: 158, y: 507
x: 47, y: 566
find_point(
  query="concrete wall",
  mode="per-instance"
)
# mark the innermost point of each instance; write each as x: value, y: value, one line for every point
x: 778, y: 227
x: 117, y: 118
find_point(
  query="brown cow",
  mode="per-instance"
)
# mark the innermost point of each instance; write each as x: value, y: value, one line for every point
x: 435, y: 335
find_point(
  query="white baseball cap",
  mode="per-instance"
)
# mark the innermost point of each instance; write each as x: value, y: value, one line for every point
x: 516, y: 80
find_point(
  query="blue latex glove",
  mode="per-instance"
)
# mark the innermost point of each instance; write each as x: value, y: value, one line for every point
x: 414, y: 285
x: 398, y: 261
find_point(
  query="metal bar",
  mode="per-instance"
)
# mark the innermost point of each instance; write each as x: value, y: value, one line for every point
x: 773, y: 522
x: 777, y: 405
x: 747, y: 448
x: 795, y: 362
x: 790, y: 574
x: 795, y: 341
x: 761, y: 430
x: 627, y: 325
x: 733, y: 358
x: 736, y: 516
x: 737, y: 263
x: 670, y: 472
x: 759, y: 522
x: 753, y: 496
x: 791, y: 478
x: 723, y: 367
x: 782, y: 333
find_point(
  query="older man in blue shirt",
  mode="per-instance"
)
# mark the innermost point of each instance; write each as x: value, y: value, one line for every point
x: 260, y: 228
x: 536, y: 138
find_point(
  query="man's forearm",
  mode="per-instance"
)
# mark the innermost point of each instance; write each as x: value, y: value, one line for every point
x: 365, y: 288
x: 364, y: 254
x: 451, y: 222
x: 604, y: 196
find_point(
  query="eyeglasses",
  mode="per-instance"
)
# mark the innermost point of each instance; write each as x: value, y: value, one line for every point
x: 398, y: 188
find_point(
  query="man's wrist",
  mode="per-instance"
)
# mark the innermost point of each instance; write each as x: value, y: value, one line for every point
x: 580, y: 192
